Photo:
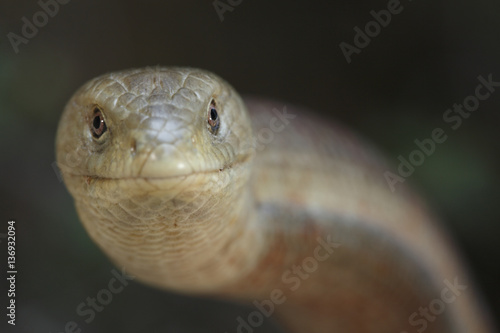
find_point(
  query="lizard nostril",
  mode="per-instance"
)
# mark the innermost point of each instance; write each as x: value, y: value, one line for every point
x: 133, y: 145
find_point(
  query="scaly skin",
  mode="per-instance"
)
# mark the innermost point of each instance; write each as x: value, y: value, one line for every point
x: 276, y: 207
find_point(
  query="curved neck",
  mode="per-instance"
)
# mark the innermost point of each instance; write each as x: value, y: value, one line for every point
x: 170, y: 237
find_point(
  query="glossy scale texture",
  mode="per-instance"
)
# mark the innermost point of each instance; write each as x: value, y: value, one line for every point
x: 277, y: 207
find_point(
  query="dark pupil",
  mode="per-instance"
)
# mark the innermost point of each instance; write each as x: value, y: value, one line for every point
x: 97, y: 122
x: 213, y: 114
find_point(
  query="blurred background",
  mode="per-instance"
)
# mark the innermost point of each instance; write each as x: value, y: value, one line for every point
x: 395, y: 90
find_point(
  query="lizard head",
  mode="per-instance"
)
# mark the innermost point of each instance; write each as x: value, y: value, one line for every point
x: 153, y: 123
x: 157, y: 160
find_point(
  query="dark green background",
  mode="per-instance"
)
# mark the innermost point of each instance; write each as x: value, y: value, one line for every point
x: 396, y: 90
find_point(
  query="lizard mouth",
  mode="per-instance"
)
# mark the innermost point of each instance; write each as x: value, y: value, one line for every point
x: 236, y: 164
x: 138, y: 177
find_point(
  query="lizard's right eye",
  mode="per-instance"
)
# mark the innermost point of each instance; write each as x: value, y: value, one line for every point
x: 97, y: 123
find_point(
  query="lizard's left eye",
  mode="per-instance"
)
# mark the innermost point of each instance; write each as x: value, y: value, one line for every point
x: 213, y: 118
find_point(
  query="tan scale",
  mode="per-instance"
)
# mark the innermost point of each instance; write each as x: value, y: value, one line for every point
x: 237, y: 210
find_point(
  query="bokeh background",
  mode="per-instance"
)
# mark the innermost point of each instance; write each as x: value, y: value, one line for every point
x: 395, y: 91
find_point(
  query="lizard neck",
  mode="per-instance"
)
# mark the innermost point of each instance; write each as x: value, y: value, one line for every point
x: 190, y: 242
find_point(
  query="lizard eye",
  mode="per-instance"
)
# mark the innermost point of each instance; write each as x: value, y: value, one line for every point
x: 97, y: 123
x: 213, y: 118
